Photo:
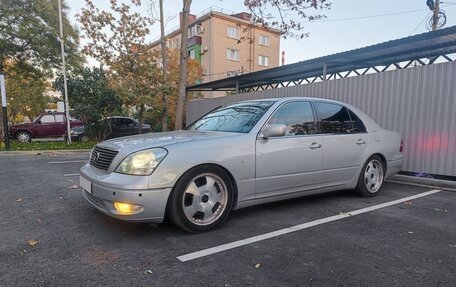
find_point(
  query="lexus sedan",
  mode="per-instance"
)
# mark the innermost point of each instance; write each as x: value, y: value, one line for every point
x: 240, y: 155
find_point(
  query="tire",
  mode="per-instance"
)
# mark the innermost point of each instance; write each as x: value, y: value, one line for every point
x: 83, y: 138
x: 24, y: 137
x: 371, y: 177
x: 202, y: 199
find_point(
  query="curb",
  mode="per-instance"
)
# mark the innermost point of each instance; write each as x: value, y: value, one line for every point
x: 424, y: 182
x: 38, y: 152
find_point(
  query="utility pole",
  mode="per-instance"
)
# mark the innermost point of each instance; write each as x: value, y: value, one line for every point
x: 435, y: 19
x: 62, y: 48
x: 164, y: 119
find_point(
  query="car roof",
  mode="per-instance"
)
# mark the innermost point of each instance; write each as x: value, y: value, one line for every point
x: 281, y: 100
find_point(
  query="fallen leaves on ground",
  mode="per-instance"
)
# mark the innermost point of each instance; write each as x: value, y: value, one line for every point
x: 19, y: 200
x: 52, y: 154
x: 32, y: 242
x: 74, y: 186
x: 257, y: 266
x: 440, y: 210
x: 147, y: 272
x: 408, y: 203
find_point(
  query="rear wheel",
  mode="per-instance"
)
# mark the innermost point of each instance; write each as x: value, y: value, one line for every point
x: 371, y: 178
x: 83, y: 138
x: 24, y: 137
x: 202, y: 199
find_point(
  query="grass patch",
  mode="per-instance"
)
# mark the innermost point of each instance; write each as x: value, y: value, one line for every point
x: 15, y: 146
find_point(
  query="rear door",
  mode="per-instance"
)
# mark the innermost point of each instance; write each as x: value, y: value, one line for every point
x: 60, y: 126
x: 344, y: 143
x: 290, y: 163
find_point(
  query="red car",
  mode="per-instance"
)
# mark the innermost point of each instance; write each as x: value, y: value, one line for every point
x: 46, y: 125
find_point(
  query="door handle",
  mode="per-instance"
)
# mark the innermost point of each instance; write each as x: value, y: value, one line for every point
x: 315, y: 145
x: 360, y: 142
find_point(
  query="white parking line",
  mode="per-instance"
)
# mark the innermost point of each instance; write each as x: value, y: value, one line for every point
x: 235, y: 244
x: 66, y: 161
x: 71, y: 174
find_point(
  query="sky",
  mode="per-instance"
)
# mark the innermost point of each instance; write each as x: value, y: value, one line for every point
x: 350, y: 24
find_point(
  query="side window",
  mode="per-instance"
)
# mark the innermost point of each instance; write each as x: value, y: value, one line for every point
x: 59, y: 118
x: 358, y: 126
x: 47, y: 119
x: 334, y: 119
x: 297, y: 116
x: 115, y: 122
x: 128, y: 122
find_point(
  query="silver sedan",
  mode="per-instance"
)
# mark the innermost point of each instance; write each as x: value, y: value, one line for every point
x: 240, y: 155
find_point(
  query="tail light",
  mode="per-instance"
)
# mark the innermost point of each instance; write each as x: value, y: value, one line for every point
x: 401, y: 149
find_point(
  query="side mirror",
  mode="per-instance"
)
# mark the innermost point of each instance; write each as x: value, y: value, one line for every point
x: 274, y: 130
x: 38, y: 122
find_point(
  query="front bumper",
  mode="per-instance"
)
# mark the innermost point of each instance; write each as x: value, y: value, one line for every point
x: 105, y: 190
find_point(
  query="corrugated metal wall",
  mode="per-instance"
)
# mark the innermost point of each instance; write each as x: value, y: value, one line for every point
x: 419, y: 102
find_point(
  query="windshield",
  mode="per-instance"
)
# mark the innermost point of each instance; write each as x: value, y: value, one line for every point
x: 238, y: 118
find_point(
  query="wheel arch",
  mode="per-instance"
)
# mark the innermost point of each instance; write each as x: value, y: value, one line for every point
x: 383, y: 158
x: 23, y: 130
x: 228, y: 173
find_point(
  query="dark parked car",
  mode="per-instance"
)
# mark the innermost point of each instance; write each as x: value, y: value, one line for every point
x: 120, y: 127
x: 46, y: 125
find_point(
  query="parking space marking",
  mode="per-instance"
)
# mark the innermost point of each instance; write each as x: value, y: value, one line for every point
x: 67, y: 161
x: 235, y: 244
x: 71, y: 174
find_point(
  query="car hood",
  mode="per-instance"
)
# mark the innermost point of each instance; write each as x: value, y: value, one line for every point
x: 25, y: 125
x: 162, y: 139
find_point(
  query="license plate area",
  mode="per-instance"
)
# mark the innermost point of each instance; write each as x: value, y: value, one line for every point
x: 85, y: 184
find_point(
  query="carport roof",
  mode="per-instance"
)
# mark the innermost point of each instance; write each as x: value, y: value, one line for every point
x: 426, y: 45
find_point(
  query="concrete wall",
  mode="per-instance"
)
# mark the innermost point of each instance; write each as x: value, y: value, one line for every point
x: 419, y: 102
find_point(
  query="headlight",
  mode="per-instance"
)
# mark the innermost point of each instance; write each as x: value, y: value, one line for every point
x: 142, y: 162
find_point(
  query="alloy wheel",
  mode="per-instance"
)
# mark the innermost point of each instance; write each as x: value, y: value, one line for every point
x: 205, y: 199
x: 373, y: 176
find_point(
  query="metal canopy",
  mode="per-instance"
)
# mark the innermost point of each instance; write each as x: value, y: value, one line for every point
x: 428, y: 46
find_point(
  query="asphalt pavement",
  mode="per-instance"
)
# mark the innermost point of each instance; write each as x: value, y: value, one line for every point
x: 50, y: 236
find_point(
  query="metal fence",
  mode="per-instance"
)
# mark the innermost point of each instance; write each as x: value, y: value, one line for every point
x: 419, y: 102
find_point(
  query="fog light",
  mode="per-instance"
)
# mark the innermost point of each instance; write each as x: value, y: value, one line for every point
x: 128, y: 208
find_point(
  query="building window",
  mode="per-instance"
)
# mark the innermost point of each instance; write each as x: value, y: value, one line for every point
x: 232, y: 32
x: 192, y: 54
x: 195, y: 30
x: 263, y: 61
x: 232, y: 54
x: 264, y: 40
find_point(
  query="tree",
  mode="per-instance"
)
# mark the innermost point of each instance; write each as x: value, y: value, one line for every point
x: 92, y: 100
x: 117, y: 39
x: 26, y: 87
x: 283, y: 18
x: 29, y: 35
x: 182, y: 95
x: 194, y: 73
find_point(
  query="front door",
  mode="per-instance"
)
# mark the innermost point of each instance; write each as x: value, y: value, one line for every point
x: 290, y: 163
x: 344, y: 143
x: 46, y: 126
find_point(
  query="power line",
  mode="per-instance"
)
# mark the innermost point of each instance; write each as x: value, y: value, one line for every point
x: 421, y: 23
x: 371, y: 16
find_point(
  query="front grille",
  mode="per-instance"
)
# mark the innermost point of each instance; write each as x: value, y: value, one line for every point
x: 95, y: 200
x: 102, y: 157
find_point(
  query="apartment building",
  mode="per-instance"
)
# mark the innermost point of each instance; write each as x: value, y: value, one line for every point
x: 227, y: 45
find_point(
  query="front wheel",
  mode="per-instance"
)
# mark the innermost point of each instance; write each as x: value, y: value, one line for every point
x: 371, y: 178
x: 202, y: 199
x: 24, y: 137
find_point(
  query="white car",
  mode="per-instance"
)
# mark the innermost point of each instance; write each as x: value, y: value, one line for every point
x: 244, y: 154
